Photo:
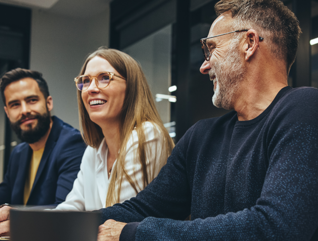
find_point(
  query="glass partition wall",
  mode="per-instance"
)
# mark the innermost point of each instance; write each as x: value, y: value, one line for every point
x: 153, y: 53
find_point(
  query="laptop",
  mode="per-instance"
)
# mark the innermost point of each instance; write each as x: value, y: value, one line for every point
x: 48, y: 225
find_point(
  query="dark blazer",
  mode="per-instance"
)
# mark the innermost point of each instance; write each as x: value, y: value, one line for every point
x: 57, y: 171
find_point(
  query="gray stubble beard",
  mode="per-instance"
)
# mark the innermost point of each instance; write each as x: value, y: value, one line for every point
x: 231, y: 73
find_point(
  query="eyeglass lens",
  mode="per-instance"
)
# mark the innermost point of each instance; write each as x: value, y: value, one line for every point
x: 206, y: 52
x: 83, y: 82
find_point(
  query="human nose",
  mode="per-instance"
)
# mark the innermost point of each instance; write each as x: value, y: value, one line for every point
x: 93, y: 86
x: 24, y: 108
x: 205, y: 67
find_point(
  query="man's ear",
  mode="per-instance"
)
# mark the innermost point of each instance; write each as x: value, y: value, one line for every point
x: 251, y: 44
x: 49, y: 103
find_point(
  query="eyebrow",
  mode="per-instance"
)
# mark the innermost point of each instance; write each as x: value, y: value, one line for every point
x: 27, y: 98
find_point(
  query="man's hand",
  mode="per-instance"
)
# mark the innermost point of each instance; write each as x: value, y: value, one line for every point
x: 4, y: 220
x: 110, y: 230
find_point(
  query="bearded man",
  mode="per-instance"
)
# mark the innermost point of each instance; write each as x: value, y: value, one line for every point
x: 41, y: 169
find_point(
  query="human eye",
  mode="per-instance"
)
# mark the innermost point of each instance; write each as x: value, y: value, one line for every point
x: 211, y: 47
x: 103, y: 77
x: 32, y: 100
x: 14, y: 105
x: 85, y: 80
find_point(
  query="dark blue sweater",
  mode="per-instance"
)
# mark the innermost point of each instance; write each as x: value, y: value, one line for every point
x: 239, y: 180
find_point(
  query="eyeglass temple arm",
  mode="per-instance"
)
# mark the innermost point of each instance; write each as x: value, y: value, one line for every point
x: 259, y: 37
x: 236, y: 31
x: 117, y: 75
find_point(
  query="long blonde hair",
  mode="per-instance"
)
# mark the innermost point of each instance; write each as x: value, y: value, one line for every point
x: 138, y: 107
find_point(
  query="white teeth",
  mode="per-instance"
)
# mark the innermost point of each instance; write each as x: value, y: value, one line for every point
x: 97, y: 102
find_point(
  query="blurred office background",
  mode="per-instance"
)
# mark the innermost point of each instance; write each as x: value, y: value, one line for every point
x: 55, y: 37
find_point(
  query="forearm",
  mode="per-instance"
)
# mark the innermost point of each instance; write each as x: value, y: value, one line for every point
x: 244, y: 225
x: 123, y: 213
x: 158, y: 199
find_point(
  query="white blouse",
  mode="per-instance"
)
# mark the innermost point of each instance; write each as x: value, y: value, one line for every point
x: 91, y: 186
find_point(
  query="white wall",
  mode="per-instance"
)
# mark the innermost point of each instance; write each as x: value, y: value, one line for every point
x: 59, y: 46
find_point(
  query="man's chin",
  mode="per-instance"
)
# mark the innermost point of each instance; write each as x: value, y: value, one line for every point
x: 216, y: 102
x: 33, y: 129
x: 220, y: 103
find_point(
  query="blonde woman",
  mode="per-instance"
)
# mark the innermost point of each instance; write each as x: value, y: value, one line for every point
x: 127, y: 142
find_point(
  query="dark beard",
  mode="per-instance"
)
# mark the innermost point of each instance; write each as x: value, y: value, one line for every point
x: 33, y: 135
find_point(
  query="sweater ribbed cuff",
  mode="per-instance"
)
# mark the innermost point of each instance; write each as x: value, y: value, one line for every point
x: 129, y: 231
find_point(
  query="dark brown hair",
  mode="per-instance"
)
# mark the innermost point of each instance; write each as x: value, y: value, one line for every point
x: 17, y: 74
x: 273, y: 18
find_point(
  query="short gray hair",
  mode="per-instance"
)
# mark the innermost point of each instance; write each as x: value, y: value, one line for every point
x: 272, y: 18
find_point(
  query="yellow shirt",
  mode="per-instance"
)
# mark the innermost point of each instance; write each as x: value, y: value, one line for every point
x: 34, y: 165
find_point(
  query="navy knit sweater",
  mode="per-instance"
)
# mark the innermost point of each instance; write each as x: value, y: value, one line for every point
x: 239, y: 180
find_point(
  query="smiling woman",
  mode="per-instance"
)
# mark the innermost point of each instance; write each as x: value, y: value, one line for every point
x: 128, y: 143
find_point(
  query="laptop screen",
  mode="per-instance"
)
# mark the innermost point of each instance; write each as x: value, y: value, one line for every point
x: 39, y: 225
